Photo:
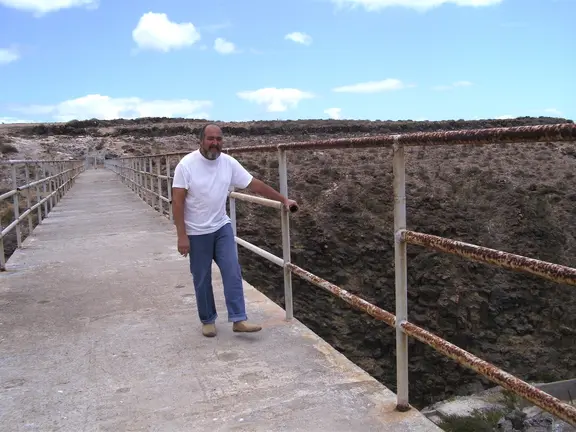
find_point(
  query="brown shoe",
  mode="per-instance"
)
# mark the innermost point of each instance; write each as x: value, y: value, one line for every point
x: 209, y: 330
x: 245, y: 327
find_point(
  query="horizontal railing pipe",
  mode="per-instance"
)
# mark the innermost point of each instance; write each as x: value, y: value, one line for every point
x: 565, y: 132
x: 538, y: 397
x: 519, y: 134
x: 259, y: 251
x: 554, y: 272
x: 256, y: 199
x: 39, y: 161
x: 136, y: 173
x: 351, y: 299
x: 53, y: 179
x: 8, y: 194
x: 44, y: 180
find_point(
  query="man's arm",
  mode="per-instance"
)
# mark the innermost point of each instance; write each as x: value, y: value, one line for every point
x: 244, y: 180
x: 261, y: 188
x: 178, y: 198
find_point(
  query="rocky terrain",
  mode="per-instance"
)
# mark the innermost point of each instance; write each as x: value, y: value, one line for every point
x: 518, y: 198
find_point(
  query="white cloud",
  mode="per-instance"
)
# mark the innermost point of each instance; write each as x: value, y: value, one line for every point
x: 156, y: 32
x: 8, y: 55
x: 223, y: 46
x: 419, y: 5
x: 334, y: 113
x: 452, y: 86
x: 275, y: 99
x: 108, y: 108
x: 211, y: 28
x: 42, y: 7
x: 373, y: 86
x: 299, y: 37
x: 554, y: 111
x: 9, y: 120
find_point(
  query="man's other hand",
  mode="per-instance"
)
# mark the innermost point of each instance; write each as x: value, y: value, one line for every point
x: 183, y: 245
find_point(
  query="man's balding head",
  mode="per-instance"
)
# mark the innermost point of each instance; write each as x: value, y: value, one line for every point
x: 211, y: 141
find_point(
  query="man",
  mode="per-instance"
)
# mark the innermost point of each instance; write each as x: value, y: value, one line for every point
x: 202, y: 180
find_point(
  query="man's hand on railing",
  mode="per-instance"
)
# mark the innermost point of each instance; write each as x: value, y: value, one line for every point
x: 291, y: 205
x: 183, y: 245
x: 262, y: 189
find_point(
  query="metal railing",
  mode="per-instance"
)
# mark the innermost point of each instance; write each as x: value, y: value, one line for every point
x: 44, y: 183
x: 138, y: 174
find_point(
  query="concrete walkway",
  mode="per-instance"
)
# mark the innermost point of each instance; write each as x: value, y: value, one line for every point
x: 99, y: 332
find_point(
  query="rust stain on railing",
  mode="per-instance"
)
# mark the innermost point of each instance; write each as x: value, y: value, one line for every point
x: 538, y: 133
x: 554, y: 272
x: 546, y: 270
x: 518, y: 134
x: 538, y: 397
x: 349, y: 298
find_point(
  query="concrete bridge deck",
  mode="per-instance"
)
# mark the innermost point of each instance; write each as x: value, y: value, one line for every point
x: 99, y: 332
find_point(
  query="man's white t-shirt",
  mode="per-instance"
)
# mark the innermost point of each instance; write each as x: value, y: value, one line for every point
x: 208, y: 183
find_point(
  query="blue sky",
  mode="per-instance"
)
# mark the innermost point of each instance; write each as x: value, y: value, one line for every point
x: 238, y: 60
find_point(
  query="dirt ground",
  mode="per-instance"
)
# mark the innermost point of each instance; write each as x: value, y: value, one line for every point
x: 518, y: 198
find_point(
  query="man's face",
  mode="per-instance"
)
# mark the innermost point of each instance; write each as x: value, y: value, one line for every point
x: 212, y: 143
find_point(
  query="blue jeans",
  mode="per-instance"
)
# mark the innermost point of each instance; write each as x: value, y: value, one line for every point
x: 220, y: 247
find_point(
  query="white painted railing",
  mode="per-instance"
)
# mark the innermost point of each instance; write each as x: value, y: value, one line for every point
x: 139, y: 174
x: 45, y: 183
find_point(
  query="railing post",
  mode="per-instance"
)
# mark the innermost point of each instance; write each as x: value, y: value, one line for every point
x: 51, y: 185
x: 138, y: 176
x: 58, y: 182
x: 151, y: 178
x: 28, y: 199
x: 61, y: 180
x: 54, y: 183
x: 399, y: 169
x: 38, y: 195
x: 159, y: 173
x: 169, y: 186
x: 64, y: 179
x: 16, y: 205
x: 2, y: 256
x: 133, y: 174
x: 69, y: 176
x: 142, y: 179
x: 285, y: 221
x: 43, y: 166
x: 233, y: 218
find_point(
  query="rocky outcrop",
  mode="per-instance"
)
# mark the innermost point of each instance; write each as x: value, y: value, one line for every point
x: 493, y: 411
x: 159, y: 127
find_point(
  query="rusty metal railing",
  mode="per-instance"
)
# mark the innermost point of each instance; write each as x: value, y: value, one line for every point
x: 51, y: 180
x: 134, y: 171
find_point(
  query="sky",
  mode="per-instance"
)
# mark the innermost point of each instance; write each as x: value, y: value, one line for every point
x: 243, y: 60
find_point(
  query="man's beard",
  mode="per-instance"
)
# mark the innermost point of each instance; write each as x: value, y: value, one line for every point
x: 210, y: 154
